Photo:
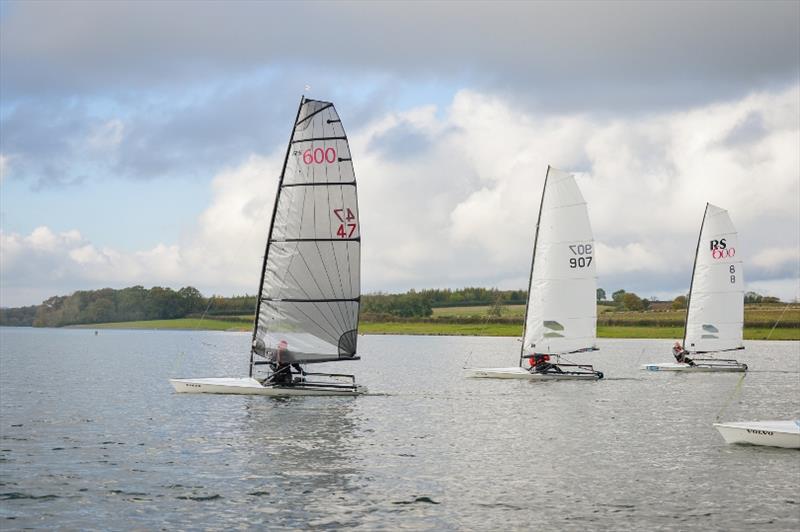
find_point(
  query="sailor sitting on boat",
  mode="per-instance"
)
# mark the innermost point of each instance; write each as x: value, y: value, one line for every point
x: 680, y: 354
x: 541, y: 364
x: 282, y: 371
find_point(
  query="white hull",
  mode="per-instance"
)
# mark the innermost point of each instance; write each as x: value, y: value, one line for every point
x: 700, y: 368
x: 519, y: 373
x: 784, y: 434
x: 250, y: 386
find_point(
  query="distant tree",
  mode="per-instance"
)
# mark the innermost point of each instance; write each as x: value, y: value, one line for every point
x: 617, y: 296
x: 601, y: 294
x: 632, y: 302
x: 497, y: 308
x: 645, y: 304
x: 679, y: 303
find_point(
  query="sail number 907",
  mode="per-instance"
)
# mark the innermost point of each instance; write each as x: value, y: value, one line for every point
x: 583, y: 255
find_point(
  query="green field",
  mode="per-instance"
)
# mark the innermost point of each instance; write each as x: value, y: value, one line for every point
x: 472, y: 321
x: 443, y: 329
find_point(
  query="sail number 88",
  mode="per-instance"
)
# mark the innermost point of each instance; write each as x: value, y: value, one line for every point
x: 583, y: 255
x: 733, y: 271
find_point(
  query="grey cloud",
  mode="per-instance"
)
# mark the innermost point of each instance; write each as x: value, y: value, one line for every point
x: 748, y: 130
x: 400, y: 142
x: 591, y: 55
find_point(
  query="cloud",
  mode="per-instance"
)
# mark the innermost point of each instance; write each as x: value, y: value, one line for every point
x: 584, y: 54
x: 462, y: 210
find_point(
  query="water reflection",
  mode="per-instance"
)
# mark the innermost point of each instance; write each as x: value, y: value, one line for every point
x: 301, y: 461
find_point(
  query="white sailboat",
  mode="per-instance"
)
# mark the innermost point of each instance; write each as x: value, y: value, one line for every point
x: 309, y: 294
x: 784, y: 434
x: 715, y: 317
x: 561, y: 311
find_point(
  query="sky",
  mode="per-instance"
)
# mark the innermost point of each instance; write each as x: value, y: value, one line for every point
x: 141, y: 142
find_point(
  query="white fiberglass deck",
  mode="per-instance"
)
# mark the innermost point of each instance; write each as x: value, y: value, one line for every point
x: 250, y: 386
x: 700, y: 368
x: 519, y: 373
x: 771, y: 433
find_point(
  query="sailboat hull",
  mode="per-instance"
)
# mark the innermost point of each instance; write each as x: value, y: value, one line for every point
x: 250, y: 386
x: 521, y: 374
x: 784, y: 434
x: 699, y: 368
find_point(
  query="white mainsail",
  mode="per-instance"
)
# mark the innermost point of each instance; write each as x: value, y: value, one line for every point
x: 561, y: 315
x: 309, y: 295
x: 715, y: 316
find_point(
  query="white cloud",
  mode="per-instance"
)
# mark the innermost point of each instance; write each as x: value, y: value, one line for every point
x: 449, y: 197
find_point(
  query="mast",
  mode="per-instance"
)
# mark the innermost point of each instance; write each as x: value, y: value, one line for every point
x: 691, y: 282
x: 533, y: 260
x: 269, y: 234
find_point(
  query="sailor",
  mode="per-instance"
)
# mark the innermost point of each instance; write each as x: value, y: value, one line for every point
x: 541, y: 364
x: 281, y: 371
x: 680, y: 354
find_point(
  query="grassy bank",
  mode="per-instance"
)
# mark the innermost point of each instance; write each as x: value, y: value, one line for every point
x: 444, y: 329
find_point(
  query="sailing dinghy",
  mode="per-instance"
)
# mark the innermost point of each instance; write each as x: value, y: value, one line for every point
x: 715, y: 316
x: 561, y: 311
x: 784, y: 434
x: 309, y: 294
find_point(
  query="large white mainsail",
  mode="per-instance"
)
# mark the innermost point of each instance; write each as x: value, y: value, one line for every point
x: 309, y: 293
x: 308, y: 299
x: 715, y: 316
x: 561, y: 315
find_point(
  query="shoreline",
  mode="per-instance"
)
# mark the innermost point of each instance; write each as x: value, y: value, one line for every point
x: 440, y: 329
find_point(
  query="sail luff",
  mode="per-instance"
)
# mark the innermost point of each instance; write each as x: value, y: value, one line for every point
x: 269, y: 235
x: 530, y: 274
x: 694, y: 267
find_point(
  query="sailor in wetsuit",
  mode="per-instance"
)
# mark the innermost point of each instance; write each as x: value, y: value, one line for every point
x: 680, y: 354
x: 541, y: 364
x: 282, y: 371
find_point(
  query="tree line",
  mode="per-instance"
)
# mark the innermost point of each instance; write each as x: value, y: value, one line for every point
x: 137, y: 303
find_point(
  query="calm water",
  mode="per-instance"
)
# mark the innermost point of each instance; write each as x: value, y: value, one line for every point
x: 92, y: 437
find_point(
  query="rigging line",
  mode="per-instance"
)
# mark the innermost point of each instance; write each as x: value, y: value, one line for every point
x: 733, y: 395
x: 182, y: 353
x: 779, y: 319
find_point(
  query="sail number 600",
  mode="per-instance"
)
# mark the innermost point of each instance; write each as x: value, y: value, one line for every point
x: 583, y: 255
x: 319, y: 156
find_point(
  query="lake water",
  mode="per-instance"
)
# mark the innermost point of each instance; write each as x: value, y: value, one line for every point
x: 93, y: 437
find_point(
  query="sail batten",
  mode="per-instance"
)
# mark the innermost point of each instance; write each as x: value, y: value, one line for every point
x: 310, y: 286
x: 715, y: 314
x: 561, y: 312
